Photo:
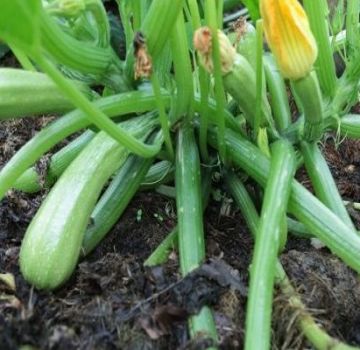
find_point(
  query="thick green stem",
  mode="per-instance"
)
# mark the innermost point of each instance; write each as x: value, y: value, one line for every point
x: 24, y: 93
x: 308, y: 93
x: 161, y: 253
x: 318, y: 337
x: 277, y: 191
x: 188, y: 199
x: 320, y: 220
x: 323, y: 182
x: 190, y: 220
x: 317, y: 12
x: 117, y: 105
x: 158, y: 23
x: 22, y: 58
x: 277, y: 89
x: 183, y: 70
x: 82, y: 56
x: 259, y: 76
x: 348, y: 125
x: 211, y: 18
x: 164, y: 120
x: 204, y: 86
x: 31, y: 181
x: 352, y: 25
x: 94, y: 114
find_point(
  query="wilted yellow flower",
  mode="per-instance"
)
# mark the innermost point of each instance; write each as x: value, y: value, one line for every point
x: 203, y: 44
x: 288, y: 34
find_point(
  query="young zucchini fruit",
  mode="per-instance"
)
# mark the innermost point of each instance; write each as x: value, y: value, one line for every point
x: 43, y: 141
x: 25, y: 93
x: 115, y: 199
x: 240, y: 83
x: 52, y: 242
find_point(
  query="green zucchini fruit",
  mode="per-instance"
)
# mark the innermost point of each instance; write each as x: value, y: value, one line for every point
x: 24, y: 93
x: 43, y: 141
x: 115, y: 199
x: 52, y: 242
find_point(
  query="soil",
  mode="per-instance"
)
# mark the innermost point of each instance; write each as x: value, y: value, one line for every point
x: 113, y: 302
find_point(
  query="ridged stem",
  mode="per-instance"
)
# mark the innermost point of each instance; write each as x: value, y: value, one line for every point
x: 323, y: 182
x: 306, y: 323
x: 183, y: 69
x: 277, y: 89
x: 204, y: 87
x: 211, y: 19
x: 190, y: 220
x: 352, y: 25
x: 277, y: 191
x: 318, y: 12
x: 43, y: 141
x: 308, y: 94
x: 163, y: 118
x: 320, y: 220
x: 95, y: 116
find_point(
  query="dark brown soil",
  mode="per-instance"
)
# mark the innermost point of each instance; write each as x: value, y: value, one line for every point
x: 113, y: 302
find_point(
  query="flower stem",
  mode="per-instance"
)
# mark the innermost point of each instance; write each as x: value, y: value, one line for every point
x: 352, y: 25
x: 317, y: 12
x: 211, y: 18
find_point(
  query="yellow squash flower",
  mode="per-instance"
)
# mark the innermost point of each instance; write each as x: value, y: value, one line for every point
x: 288, y: 34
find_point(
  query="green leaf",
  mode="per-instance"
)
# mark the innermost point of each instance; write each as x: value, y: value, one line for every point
x: 20, y: 23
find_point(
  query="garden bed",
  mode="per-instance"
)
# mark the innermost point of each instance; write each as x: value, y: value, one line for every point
x: 113, y: 302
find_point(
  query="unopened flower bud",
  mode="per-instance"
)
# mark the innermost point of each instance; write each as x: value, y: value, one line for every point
x: 289, y: 36
x: 203, y: 44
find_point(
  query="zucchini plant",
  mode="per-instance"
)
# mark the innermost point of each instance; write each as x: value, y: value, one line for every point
x: 188, y: 92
